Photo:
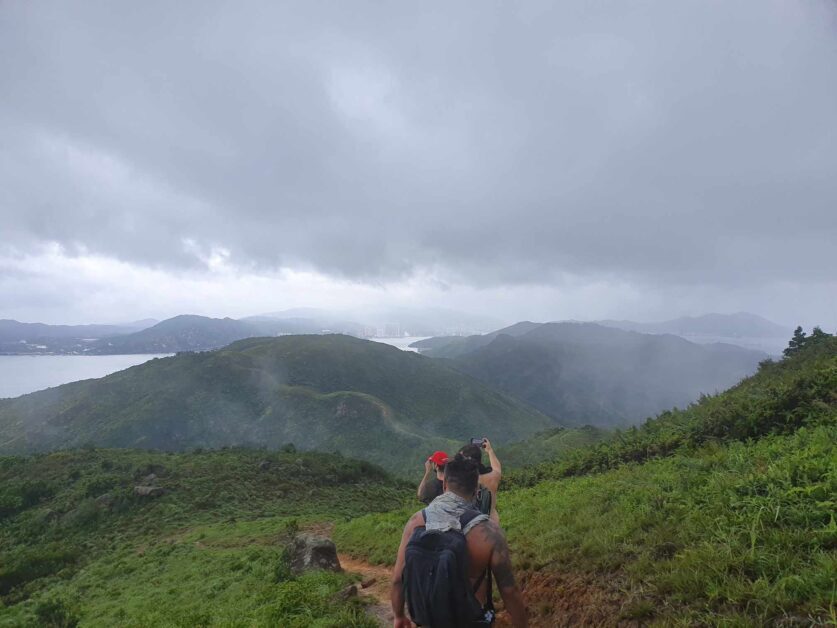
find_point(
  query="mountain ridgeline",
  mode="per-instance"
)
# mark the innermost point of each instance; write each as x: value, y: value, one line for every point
x: 327, y: 392
x: 584, y: 373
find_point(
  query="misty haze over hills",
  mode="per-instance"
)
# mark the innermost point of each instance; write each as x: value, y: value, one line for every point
x: 584, y: 373
x: 743, y: 329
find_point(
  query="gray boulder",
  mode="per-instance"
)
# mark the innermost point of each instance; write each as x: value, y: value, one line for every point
x: 310, y: 551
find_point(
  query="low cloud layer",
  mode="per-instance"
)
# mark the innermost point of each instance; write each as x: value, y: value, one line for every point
x: 664, y: 148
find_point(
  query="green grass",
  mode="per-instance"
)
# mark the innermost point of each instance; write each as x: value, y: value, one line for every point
x: 208, y: 552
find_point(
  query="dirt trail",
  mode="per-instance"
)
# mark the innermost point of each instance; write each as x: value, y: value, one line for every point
x: 377, y: 592
x: 554, y: 600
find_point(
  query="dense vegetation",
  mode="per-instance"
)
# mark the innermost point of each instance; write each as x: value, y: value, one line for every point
x: 723, y: 513
x: 582, y: 373
x: 77, y: 544
x: 332, y: 393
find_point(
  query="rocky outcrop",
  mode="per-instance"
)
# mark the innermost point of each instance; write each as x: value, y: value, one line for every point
x: 310, y: 551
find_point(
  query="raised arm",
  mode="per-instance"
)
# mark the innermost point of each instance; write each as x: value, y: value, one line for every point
x: 429, y: 472
x: 492, y: 480
x: 396, y: 594
x: 502, y: 569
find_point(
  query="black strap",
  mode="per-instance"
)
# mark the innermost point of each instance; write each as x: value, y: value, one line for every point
x: 468, y: 516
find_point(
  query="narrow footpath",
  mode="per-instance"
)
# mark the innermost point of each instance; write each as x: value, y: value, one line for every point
x: 377, y: 579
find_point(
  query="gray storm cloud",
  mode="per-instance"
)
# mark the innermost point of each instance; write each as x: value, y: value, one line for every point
x: 493, y: 143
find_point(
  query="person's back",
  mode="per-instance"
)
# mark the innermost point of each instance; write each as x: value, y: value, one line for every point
x: 487, y: 551
x: 489, y: 476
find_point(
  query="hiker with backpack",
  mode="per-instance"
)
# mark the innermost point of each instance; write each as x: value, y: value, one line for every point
x: 449, y: 556
x: 489, y: 476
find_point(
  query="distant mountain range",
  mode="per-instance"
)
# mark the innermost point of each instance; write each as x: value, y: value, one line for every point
x: 740, y: 325
x: 28, y: 338
x: 201, y: 333
x: 328, y: 392
x: 585, y: 373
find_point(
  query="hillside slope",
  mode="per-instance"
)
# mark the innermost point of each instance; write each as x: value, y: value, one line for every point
x: 721, y: 514
x: 582, y: 373
x: 78, y: 545
x: 332, y: 393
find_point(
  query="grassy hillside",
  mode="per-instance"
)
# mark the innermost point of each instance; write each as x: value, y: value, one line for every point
x: 76, y: 543
x: 331, y: 393
x: 723, y: 514
x: 549, y: 446
x: 582, y: 373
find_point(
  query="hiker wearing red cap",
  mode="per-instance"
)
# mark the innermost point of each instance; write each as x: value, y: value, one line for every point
x: 430, y: 486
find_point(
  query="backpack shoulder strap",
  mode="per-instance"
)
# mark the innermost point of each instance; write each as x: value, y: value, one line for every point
x: 468, y: 516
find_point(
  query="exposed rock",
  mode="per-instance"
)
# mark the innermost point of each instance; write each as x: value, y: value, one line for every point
x: 150, y: 478
x: 264, y: 465
x: 149, y: 491
x: 309, y: 551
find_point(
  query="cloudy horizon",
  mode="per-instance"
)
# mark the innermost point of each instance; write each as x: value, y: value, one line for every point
x: 581, y: 161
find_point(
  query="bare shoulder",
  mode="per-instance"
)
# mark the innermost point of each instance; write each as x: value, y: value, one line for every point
x: 489, y: 532
x: 415, y: 521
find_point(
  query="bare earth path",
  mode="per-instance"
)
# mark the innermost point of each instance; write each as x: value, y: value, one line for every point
x: 377, y: 592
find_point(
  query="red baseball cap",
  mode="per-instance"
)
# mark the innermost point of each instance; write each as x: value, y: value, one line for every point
x: 438, y: 458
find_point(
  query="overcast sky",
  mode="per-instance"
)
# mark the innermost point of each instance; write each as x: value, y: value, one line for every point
x: 540, y: 160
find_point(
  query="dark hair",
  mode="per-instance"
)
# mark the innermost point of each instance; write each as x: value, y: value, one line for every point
x: 462, y: 475
x: 474, y: 452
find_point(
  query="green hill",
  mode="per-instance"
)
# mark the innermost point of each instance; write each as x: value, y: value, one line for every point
x: 582, y: 373
x: 332, y: 393
x: 720, y: 514
x: 78, y: 545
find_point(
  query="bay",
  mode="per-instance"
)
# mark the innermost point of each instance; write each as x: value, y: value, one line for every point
x: 401, y: 342
x: 23, y: 374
